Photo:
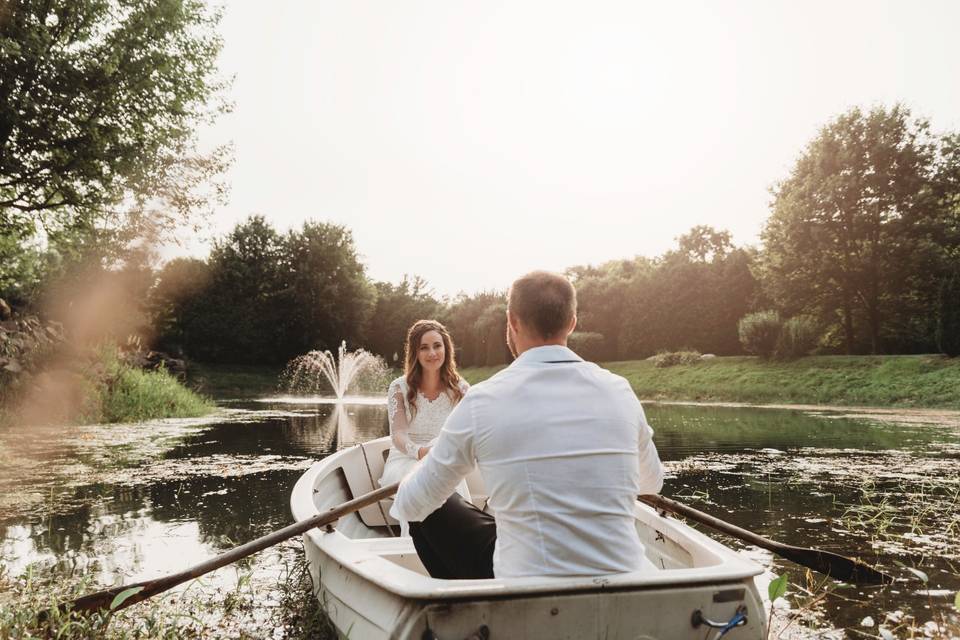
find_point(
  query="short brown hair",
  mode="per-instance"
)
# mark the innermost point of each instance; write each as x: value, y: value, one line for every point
x: 544, y: 301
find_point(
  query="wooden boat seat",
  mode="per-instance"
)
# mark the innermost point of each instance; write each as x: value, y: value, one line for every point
x: 373, y: 457
x: 365, y: 477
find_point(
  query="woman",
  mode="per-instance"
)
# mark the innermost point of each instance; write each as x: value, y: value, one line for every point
x: 419, y: 401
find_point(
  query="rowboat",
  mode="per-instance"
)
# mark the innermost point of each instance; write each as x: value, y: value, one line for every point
x: 371, y: 584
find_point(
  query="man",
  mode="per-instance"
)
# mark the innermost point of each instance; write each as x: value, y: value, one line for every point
x: 563, y: 447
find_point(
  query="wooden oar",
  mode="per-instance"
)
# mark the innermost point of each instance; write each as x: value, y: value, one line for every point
x: 103, y: 600
x: 831, y: 564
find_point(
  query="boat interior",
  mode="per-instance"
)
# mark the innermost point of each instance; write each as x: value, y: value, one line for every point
x: 677, y: 554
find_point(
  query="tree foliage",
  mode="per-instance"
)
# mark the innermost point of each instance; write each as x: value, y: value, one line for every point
x: 948, y: 318
x: 99, y: 104
x: 478, y: 324
x: 799, y: 336
x: 693, y: 299
x: 329, y: 297
x: 397, y: 307
x: 264, y: 297
x: 759, y: 332
x: 858, y: 228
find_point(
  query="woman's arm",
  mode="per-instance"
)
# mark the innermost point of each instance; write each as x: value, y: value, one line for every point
x: 399, y: 426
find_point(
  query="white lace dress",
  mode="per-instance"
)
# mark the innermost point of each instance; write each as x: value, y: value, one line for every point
x: 410, y: 432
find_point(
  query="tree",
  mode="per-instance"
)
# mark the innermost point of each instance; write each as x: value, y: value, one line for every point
x: 605, y: 296
x: 693, y: 298
x: 239, y: 316
x: 397, y: 307
x: 477, y: 324
x: 177, y: 305
x: 948, y: 319
x: 851, y: 224
x: 99, y: 101
x: 760, y: 332
x: 328, y: 296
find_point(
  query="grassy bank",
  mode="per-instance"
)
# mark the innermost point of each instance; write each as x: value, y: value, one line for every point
x: 130, y: 394
x: 875, y: 381
x: 98, y: 387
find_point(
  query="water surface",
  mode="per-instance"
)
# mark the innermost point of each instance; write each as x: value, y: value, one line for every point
x: 132, y: 502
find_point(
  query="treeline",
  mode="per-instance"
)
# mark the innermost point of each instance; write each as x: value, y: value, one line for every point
x: 863, y: 246
x: 263, y: 297
x: 863, y: 242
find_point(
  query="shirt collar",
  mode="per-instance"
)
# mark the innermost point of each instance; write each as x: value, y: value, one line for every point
x: 546, y: 353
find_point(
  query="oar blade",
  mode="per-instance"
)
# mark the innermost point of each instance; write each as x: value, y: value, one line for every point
x: 836, y: 566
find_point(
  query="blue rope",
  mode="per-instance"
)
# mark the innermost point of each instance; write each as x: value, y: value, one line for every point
x: 734, y: 621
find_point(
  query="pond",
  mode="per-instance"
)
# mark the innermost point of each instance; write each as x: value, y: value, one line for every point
x: 132, y: 502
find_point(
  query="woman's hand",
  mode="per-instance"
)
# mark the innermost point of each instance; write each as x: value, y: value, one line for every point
x: 421, y: 452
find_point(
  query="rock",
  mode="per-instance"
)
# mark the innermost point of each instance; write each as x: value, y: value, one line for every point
x: 5, y: 312
x: 866, y: 622
x: 708, y: 356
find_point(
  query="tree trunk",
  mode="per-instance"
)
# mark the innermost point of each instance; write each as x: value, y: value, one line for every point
x: 849, y: 337
x: 873, y: 283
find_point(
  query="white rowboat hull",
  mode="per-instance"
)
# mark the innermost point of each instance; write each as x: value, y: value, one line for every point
x: 372, y: 585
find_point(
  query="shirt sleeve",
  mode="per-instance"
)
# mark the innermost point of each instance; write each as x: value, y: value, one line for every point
x: 651, y: 469
x: 399, y: 426
x: 451, y: 459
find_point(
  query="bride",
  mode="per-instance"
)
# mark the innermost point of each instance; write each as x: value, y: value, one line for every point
x: 419, y: 401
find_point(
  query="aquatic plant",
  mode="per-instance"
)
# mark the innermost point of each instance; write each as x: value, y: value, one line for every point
x: 283, y: 607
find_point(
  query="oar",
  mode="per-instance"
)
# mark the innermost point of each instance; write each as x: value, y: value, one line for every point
x: 831, y: 564
x: 103, y: 600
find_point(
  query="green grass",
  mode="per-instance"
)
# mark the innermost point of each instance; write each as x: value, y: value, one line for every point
x: 100, y: 387
x: 875, y: 381
x: 133, y: 395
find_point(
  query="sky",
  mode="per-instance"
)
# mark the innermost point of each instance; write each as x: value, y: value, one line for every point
x: 471, y: 142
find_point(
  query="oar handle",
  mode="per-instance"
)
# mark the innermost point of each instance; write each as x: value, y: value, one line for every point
x: 101, y: 600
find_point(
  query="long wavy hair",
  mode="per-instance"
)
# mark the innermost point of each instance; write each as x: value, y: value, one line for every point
x: 449, y: 378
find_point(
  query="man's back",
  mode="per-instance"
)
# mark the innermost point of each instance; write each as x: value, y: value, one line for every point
x: 557, y: 444
x: 562, y: 445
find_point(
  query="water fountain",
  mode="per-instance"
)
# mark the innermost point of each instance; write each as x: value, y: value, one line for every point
x: 318, y: 373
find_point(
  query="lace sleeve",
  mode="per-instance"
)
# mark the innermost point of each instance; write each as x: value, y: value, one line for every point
x: 399, y: 426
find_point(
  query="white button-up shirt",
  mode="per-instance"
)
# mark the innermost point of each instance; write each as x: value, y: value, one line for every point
x: 563, y: 448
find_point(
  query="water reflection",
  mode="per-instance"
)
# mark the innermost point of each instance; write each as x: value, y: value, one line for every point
x: 210, y: 489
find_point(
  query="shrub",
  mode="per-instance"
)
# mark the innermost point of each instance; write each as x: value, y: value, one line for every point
x: 26, y: 342
x: 798, y: 337
x: 948, y: 320
x: 673, y: 358
x: 759, y: 332
x: 587, y: 344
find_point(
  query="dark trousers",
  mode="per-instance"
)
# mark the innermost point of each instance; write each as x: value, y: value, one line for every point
x: 456, y: 541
